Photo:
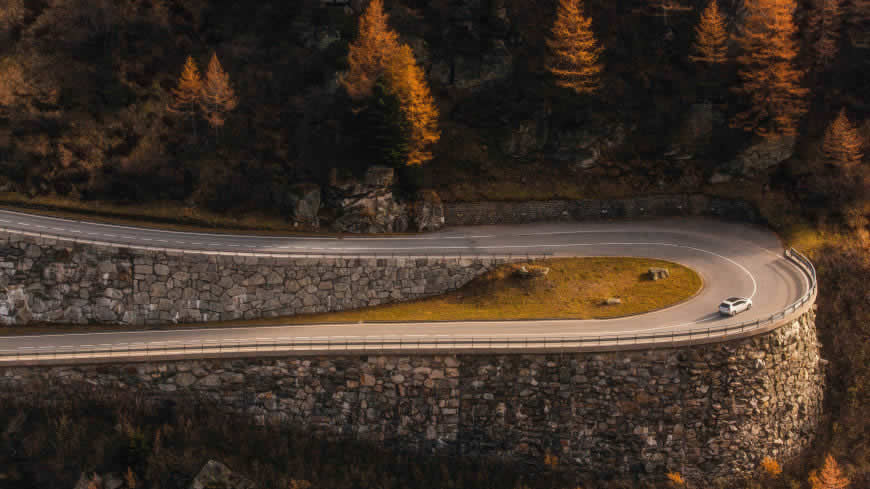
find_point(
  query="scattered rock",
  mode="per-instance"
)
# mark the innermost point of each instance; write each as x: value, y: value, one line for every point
x: 368, y: 206
x: 305, y: 201
x: 428, y: 211
x: 613, y: 301
x: 658, y: 273
x: 216, y: 475
x: 531, y: 271
x: 763, y: 154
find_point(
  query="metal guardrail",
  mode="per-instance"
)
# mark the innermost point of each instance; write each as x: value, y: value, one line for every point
x: 458, y: 344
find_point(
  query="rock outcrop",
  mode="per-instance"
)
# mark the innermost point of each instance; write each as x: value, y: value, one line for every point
x: 369, y: 205
x: 762, y: 155
x: 215, y: 475
x: 428, y: 211
x: 305, y: 201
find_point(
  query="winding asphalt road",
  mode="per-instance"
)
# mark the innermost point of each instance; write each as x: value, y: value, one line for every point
x: 732, y: 258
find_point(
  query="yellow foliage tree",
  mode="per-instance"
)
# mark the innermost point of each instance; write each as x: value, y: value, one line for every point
x: 370, y: 53
x: 576, y: 53
x: 377, y: 53
x: 771, y: 467
x: 711, y: 37
x: 218, y: 97
x: 418, y: 106
x: 842, y: 143
x: 831, y: 477
x: 186, y: 96
x: 770, y: 77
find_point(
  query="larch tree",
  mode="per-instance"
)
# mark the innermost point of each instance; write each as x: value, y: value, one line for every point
x: 417, y: 104
x: 575, y: 51
x: 377, y: 55
x: 187, y: 95
x: 711, y: 37
x: 825, y: 21
x: 859, y: 20
x: 831, y: 477
x: 842, y: 143
x: 218, y: 97
x: 370, y: 53
x: 770, y: 79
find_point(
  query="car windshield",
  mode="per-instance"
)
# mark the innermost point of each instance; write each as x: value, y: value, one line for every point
x: 725, y: 305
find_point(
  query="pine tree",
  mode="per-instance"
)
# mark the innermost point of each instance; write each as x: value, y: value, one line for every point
x: 770, y: 78
x: 187, y: 96
x: 576, y: 52
x: 711, y: 37
x: 842, y: 143
x: 378, y: 55
x: 859, y: 20
x: 370, y: 52
x: 825, y: 22
x: 218, y: 97
x: 418, y: 105
x: 831, y: 477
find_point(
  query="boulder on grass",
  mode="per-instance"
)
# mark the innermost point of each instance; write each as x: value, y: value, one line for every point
x: 215, y: 475
x: 613, y: 301
x: 531, y: 271
x: 658, y: 273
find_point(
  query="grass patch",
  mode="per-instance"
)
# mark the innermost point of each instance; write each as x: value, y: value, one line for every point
x: 574, y: 288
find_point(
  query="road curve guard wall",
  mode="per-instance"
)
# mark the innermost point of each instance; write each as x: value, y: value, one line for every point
x: 709, y: 411
x: 66, y: 281
x: 494, y: 212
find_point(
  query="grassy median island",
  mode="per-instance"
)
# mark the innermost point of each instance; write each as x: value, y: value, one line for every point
x: 575, y: 288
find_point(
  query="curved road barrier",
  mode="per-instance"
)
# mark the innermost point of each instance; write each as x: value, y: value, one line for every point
x: 733, y: 259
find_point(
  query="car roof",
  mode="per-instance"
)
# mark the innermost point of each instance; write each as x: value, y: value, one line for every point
x: 734, y: 299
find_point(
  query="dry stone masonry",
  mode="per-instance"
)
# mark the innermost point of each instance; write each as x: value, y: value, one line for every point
x: 475, y: 213
x: 709, y: 411
x: 64, y: 282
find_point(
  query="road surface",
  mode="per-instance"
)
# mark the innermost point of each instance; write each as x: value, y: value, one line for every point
x: 733, y: 259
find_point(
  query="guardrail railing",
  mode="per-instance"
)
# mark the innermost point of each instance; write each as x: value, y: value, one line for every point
x: 387, y: 344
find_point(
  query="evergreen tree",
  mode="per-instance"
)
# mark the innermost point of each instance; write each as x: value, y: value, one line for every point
x: 576, y: 52
x: 382, y: 127
x: 377, y: 55
x: 218, y: 97
x: 711, y: 37
x: 187, y: 95
x: 825, y: 22
x: 770, y: 78
x: 418, y: 105
x: 370, y: 52
x: 842, y: 143
x: 831, y: 477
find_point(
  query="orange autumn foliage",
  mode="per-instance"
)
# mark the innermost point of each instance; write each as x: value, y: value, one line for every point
x: 711, y: 36
x: 842, y: 143
x: 771, y: 80
x: 576, y: 52
x: 218, y: 96
x: 186, y: 96
x: 831, y: 477
x: 370, y: 53
x: 377, y: 53
x: 417, y: 104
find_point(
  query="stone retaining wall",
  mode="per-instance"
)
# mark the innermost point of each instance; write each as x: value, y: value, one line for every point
x: 708, y: 411
x: 64, y: 282
x: 471, y: 213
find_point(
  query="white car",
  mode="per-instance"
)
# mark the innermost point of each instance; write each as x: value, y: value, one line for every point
x: 734, y: 305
